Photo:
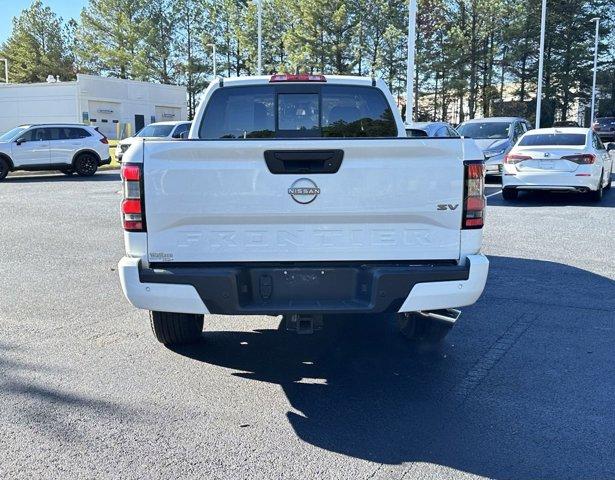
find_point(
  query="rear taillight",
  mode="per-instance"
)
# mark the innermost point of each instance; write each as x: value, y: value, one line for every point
x: 581, y: 158
x: 474, y: 194
x: 133, y: 204
x: 514, y: 158
x: 302, y: 77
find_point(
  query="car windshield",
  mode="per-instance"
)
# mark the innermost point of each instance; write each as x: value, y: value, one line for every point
x: 484, y: 129
x: 155, y: 131
x: 11, y: 134
x: 542, y: 139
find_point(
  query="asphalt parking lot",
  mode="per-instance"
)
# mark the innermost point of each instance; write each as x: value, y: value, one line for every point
x: 523, y: 388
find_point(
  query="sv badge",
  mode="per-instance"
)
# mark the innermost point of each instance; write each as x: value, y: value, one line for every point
x: 447, y: 206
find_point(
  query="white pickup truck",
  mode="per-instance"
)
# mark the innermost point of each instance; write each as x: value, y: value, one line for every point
x: 301, y: 196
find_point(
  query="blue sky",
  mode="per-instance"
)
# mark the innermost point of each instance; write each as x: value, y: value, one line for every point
x: 64, y: 8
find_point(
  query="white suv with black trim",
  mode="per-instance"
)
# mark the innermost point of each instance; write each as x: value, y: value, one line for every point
x: 70, y: 148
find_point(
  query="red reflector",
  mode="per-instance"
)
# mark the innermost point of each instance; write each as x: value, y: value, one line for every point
x: 131, y: 172
x: 131, y: 206
x: 475, y: 203
x: 302, y: 77
x: 130, y: 225
x: 104, y: 140
x: 474, y: 222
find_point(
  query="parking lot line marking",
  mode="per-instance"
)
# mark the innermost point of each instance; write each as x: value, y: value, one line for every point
x: 492, y: 194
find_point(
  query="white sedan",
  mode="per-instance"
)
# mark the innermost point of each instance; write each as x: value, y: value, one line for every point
x: 558, y: 159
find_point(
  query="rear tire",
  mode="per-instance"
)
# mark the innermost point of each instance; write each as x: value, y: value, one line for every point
x: 176, y: 328
x: 4, y: 168
x: 86, y: 165
x: 420, y: 329
x: 510, y: 194
x: 596, y: 195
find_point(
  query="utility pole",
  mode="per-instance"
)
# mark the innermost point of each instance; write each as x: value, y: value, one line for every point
x: 259, y: 9
x: 410, y: 65
x: 593, y: 109
x: 543, y: 21
x: 213, y: 54
x: 505, y: 49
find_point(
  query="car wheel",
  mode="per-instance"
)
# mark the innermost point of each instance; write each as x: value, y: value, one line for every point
x: 4, y: 168
x: 86, y: 165
x: 420, y: 329
x: 510, y: 194
x: 176, y: 328
x: 596, y: 195
x: 67, y: 171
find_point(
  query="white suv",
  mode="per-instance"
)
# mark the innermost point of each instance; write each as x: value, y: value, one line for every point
x: 154, y: 131
x: 70, y: 148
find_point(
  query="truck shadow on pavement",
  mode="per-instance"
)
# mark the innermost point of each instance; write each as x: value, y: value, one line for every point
x: 522, y: 388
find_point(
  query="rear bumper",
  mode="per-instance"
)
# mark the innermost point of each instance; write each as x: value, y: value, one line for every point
x: 106, y: 161
x: 564, y: 181
x: 303, y: 288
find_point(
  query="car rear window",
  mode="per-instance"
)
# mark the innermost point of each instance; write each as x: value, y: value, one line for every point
x: 540, y: 139
x: 155, y: 131
x: 268, y: 111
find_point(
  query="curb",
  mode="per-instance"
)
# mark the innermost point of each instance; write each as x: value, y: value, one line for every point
x: 24, y: 173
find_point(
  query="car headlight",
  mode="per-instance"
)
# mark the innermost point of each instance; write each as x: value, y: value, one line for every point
x: 493, y: 153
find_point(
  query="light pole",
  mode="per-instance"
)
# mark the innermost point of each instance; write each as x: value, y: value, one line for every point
x: 504, y: 50
x: 543, y: 21
x: 259, y: 15
x: 6, y: 69
x: 213, y: 54
x: 410, y: 65
x: 591, y: 118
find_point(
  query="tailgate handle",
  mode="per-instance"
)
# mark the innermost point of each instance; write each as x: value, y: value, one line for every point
x: 303, y: 161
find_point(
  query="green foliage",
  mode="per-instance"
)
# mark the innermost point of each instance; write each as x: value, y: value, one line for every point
x: 467, y: 50
x: 38, y: 46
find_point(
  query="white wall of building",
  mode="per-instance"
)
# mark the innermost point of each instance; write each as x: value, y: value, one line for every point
x: 113, y: 105
x: 37, y: 103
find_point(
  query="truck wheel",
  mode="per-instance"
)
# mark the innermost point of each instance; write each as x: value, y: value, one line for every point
x: 510, y: 194
x: 176, y: 328
x: 419, y: 329
x: 4, y: 168
x: 86, y: 165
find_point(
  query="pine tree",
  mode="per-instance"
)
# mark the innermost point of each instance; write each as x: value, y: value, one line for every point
x: 38, y: 46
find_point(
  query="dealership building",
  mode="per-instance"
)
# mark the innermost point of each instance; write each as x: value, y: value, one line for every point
x: 117, y: 107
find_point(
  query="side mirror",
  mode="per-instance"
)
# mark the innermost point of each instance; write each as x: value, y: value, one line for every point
x: 610, y: 146
x: 184, y: 135
x: 20, y: 140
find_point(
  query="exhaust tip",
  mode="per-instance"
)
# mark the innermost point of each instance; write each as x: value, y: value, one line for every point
x: 446, y: 315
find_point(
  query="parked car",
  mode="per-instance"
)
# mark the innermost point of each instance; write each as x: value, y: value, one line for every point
x: 558, y: 159
x: 70, y: 148
x: 495, y: 136
x: 432, y: 129
x: 298, y: 201
x: 565, y: 123
x: 154, y: 131
x: 605, y: 128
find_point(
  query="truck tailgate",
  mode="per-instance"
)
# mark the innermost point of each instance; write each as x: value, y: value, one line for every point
x: 218, y: 201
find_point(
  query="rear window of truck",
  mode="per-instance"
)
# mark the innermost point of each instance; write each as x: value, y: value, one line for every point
x: 277, y: 111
